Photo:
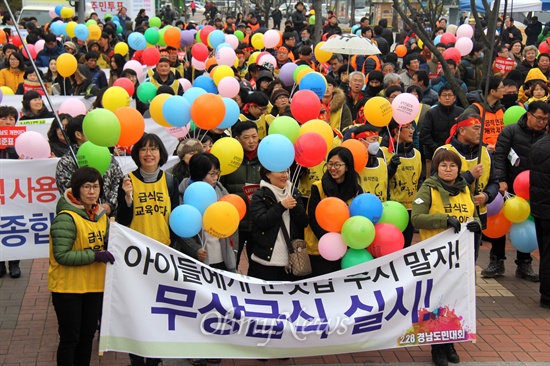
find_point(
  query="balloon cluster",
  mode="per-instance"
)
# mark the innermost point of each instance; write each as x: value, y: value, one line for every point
x: 461, y: 37
x: 404, y: 109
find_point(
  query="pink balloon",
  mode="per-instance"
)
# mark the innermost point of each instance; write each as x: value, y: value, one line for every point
x: 228, y: 87
x: 260, y: 55
x: 464, y: 46
x: 232, y: 40
x: 226, y: 56
x: 271, y: 38
x: 199, y: 65
x: 39, y: 45
x: 185, y: 84
x: 465, y: 30
x: 32, y: 51
x: 72, y: 107
x: 332, y: 246
x: 136, y: 66
x: 405, y: 108
x: 52, y: 13
x: 32, y: 145
x: 269, y: 59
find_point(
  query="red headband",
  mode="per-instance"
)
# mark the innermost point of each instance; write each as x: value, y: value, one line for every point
x: 365, y: 134
x: 467, y: 122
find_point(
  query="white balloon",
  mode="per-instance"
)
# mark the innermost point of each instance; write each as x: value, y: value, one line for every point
x: 465, y: 30
x: 464, y: 45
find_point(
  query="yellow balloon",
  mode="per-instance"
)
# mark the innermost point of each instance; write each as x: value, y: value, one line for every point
x: 220, y: 72
x: 66, y: 64
x: 322, y: 128
x: 516, y: 209
x: 420, y: 44
x: 121, y: 48
x: 253, y: 57
x: 257, y: 41
x: 115, y: 97
x: 70, y: 29
x: 67, y: 13
x: 6, y: 90
x: 229, y: 152
x: 155, y: 108
x: 378, y: 111
x: 95, y: 32
x: 221, y: 219
x: 322, y: 55
x: 303, y: 73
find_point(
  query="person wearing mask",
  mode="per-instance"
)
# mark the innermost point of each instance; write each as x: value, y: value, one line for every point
x: 510, y: 97
x: 255, y: 110
x: 33, y: 107
x: 375, y: 84
x: 52, y: 47
x: 305, y: 37
x: 14, y: 73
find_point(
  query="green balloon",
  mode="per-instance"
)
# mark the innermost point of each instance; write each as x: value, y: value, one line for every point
x: 101, y: 127
x: 146, y: 92
x: 354, y: 257
x: 108, y: 16
x: 394, y: 213
x: 297, y: 70
x: 286, y: 126
x: 239, y: 34
x: 119, y: 29
x: 94, y: 156
x: 151, y: 35
x: 90, y: 22
x: 192, y: 126
x: 513, y: 114
x: 358, y: 232
x: 155, y: 22
x: 161, y: 41
x: 198, y: 37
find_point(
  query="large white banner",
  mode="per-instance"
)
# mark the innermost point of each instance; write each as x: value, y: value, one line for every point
x: 161, y: 303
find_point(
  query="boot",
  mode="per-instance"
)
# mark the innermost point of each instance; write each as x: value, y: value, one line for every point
x: 438, y: 355
x: 3, y: 269
x: 495, y: 268
x: 15, y: 272
x: 525, y: 270
x: 450, y: 352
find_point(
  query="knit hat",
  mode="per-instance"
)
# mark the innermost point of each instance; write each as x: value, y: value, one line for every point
x: 70, y: 45
x: 189, y: 145
x: 277, y: 93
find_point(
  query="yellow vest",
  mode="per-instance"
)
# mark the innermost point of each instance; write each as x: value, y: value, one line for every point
x: 175, y: 85
x: 80, y: 279
x: 468, y: 164
x: 460, y: 206
x: 375, y: 180
x: 152, y: 207
x: 260, y: 122
x: 404, y: 184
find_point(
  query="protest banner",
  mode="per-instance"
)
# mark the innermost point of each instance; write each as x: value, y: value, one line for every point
x: 161, y: 303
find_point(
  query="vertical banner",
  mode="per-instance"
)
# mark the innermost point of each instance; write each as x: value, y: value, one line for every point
x: 161, y: 303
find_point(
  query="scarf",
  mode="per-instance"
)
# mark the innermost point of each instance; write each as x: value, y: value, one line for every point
x: 343, y: 191
x: 453, y: 189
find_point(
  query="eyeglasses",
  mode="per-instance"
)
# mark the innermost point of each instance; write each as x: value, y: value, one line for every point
x: 335, y: 165
x: 407, y: 127
x: 447, y: 95
x: 262, y: 109
x: 88, y: 187
x: 149, y: 150
x: 281, y: 97
x: 539, y: 119
x: 214, y: 174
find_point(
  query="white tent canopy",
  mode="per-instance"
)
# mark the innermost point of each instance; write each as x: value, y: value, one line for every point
x: 518, y: 6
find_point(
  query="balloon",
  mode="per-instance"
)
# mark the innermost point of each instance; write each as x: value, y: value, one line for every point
x: 172, y: 37
x: 239, y: 34
x: 543, y: 47
x: 452, y: 53
x: 286, y: 74
x: 305, y: 106
x: 230, y: 153
x: 150, y: 56
x: 205, y: 32
x: 516, y: 209
x: 400, y: 50
x: 269, y: 60
x: 207, y: 111
x: 121, y: 48
x: 186, y: 38
x: 185, y: 84
x: 114, y: 98
x: 310, y: 149
x: 205, y: 82
x: 56, y: 28
x: 81, y: 32
x: 447, y: 38
x: 359, y: 152
x: 523, y: 236
x: 221, y: 219
x: 497, y: 226
x: 332, y: 246
x: 156, y: 109
x: 437, y: 40
x: 95, y: 32
x: 358, y: 232
x: 367, y: 205
x: 193, y: 93
x: 155, y: 22
x: 73, y: 107
x: 331, y: 213
x: 132, y: 126
x: 222, y: 72
x: 58, y: 9
x: 69, y: 28
x: 176, y: 111
x: 276, y: 153
x: 354, y: 257
x: 271, y: 38
x: 495, y: 206
x: 94, y: 156
x: 405, y: 108
x: 226, y: 56
x: 232, y: 113
x: 199, y: 65
x: 215, y: 38
x: 315, y: 82
x: 137, y: 41
x: 388, y: 239
x: 513, y: 114
x: 228, y: 87
x: 321, y: 55
x: 101, y: 127
x: 6, y: 90
x: 32, y: 51
x: 66, y: 64
x: 379, y: 111
x: 185, y: 221
x: 465, y: 30
x: 38, y: 46
x: 137, y: 67
x: 151, y: 36
x: 146, y: 92
x: 32, y: 145
x: 303, y: 72
x: 286, y: 126
x: 232, y: 40
x: 199, y: 195
x: 257, y: 41
x: 125, y: 84
x: 67, y: 13
x: 236, y: 201
x: 464, y: 46
x: 320, y: 127
x: 52, y: 14
x: 522, y: 184
x: 253, y: 57
x: 396, y: 214
x: 90, y: 22
x: 200, y: 52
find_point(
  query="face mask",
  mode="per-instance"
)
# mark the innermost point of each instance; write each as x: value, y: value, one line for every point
x: 481, y: 55
x: 373, y: 148
x: 509, y: 100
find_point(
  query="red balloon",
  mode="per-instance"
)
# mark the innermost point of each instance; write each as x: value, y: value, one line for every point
x: 310, y: 149
x: 32, y: 51
x: 150, y: 56
x: 522, y: 183
x: 447, y: 38
x: 305, y: 106
x: 388, y: 239
x: 199, y: 52
x: 205, y: 31
x: 16, y: 41
x: 125, y: 84
x: 453, y: 54
x: 543, y: 47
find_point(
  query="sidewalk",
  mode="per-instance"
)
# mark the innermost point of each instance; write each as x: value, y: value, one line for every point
x: 512, y: 329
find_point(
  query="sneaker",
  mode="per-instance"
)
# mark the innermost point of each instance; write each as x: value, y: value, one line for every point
x: 15, y: 272
x: 450, y: 352
x: 3, y: 269
x: 525, y: 271
x: 495, y: 268
x: 438, y: 355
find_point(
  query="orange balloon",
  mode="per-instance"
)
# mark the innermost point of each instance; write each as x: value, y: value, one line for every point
x: 359, y: 152
x: 132, y: 125
x: 400, y: 50
x: 210, y: 62
x: 497, y: 226
x: 208, y: 111
x: 172, y: 37
x: 280, y: 40
x: 331, y: 213
x: 236, y: 201
x: 2, y: 37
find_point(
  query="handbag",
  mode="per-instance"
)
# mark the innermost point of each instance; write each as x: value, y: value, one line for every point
x: 298, y: 259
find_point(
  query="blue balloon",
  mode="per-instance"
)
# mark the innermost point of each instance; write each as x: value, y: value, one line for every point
x: 58, y: 9
x: 57, y: 28
x: 222, y: 45
x: 367, y: 205
x: 64, y: 29
x: 523, y: 236
x: 355, y: 27
x: 358, y: 32
x: 137, y: 41
x: 207, y: 83
x: 81, y: 32
x: 177, y: 111
x: 185, y: 221
x: 315, y: 82
x: 276, y: 153
x: 116, y: 19
x: 200, y: 195
x: 437, y: 39
x: 216, y: 37
x: 193, y: 93
x: 232, y: 113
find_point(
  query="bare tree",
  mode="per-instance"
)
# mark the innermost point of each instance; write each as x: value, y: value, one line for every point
x: 263, y: 6
x: 318, y: 30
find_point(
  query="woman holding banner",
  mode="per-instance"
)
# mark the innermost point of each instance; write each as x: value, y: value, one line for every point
x: 444, y: 201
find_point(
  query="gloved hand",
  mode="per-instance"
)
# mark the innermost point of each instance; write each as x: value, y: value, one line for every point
x: 473, y: 226
x: 395, y: 160
x: 104, y: 256
x: 454, y: 223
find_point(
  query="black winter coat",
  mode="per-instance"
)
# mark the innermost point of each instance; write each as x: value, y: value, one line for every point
x: 539, y: 163
x: 436, y: 127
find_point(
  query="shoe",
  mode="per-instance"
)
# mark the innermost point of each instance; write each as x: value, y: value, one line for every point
x: 525, y: 271
x: 450, y: 352
x: 495, y: 268
x: 197, y: 362
x: 15, y: 272
x: 3, y: 270
x: 438, y: 355
x: 544, y: 305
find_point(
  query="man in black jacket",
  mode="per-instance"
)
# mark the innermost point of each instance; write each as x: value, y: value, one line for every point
x: 532, y: 31
x: 386, y: 32
x: 510, y: 33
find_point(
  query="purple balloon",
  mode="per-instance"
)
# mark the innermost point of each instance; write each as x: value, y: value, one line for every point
x: 286, y: 74
x: 186, y: 38
x: 494, y: 207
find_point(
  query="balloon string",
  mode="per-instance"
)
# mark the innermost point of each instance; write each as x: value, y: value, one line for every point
x: 293, y: 88
x: 202, y: 238
x: 296, y: 176
x: 64, y: 86
x: 397, y: 142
